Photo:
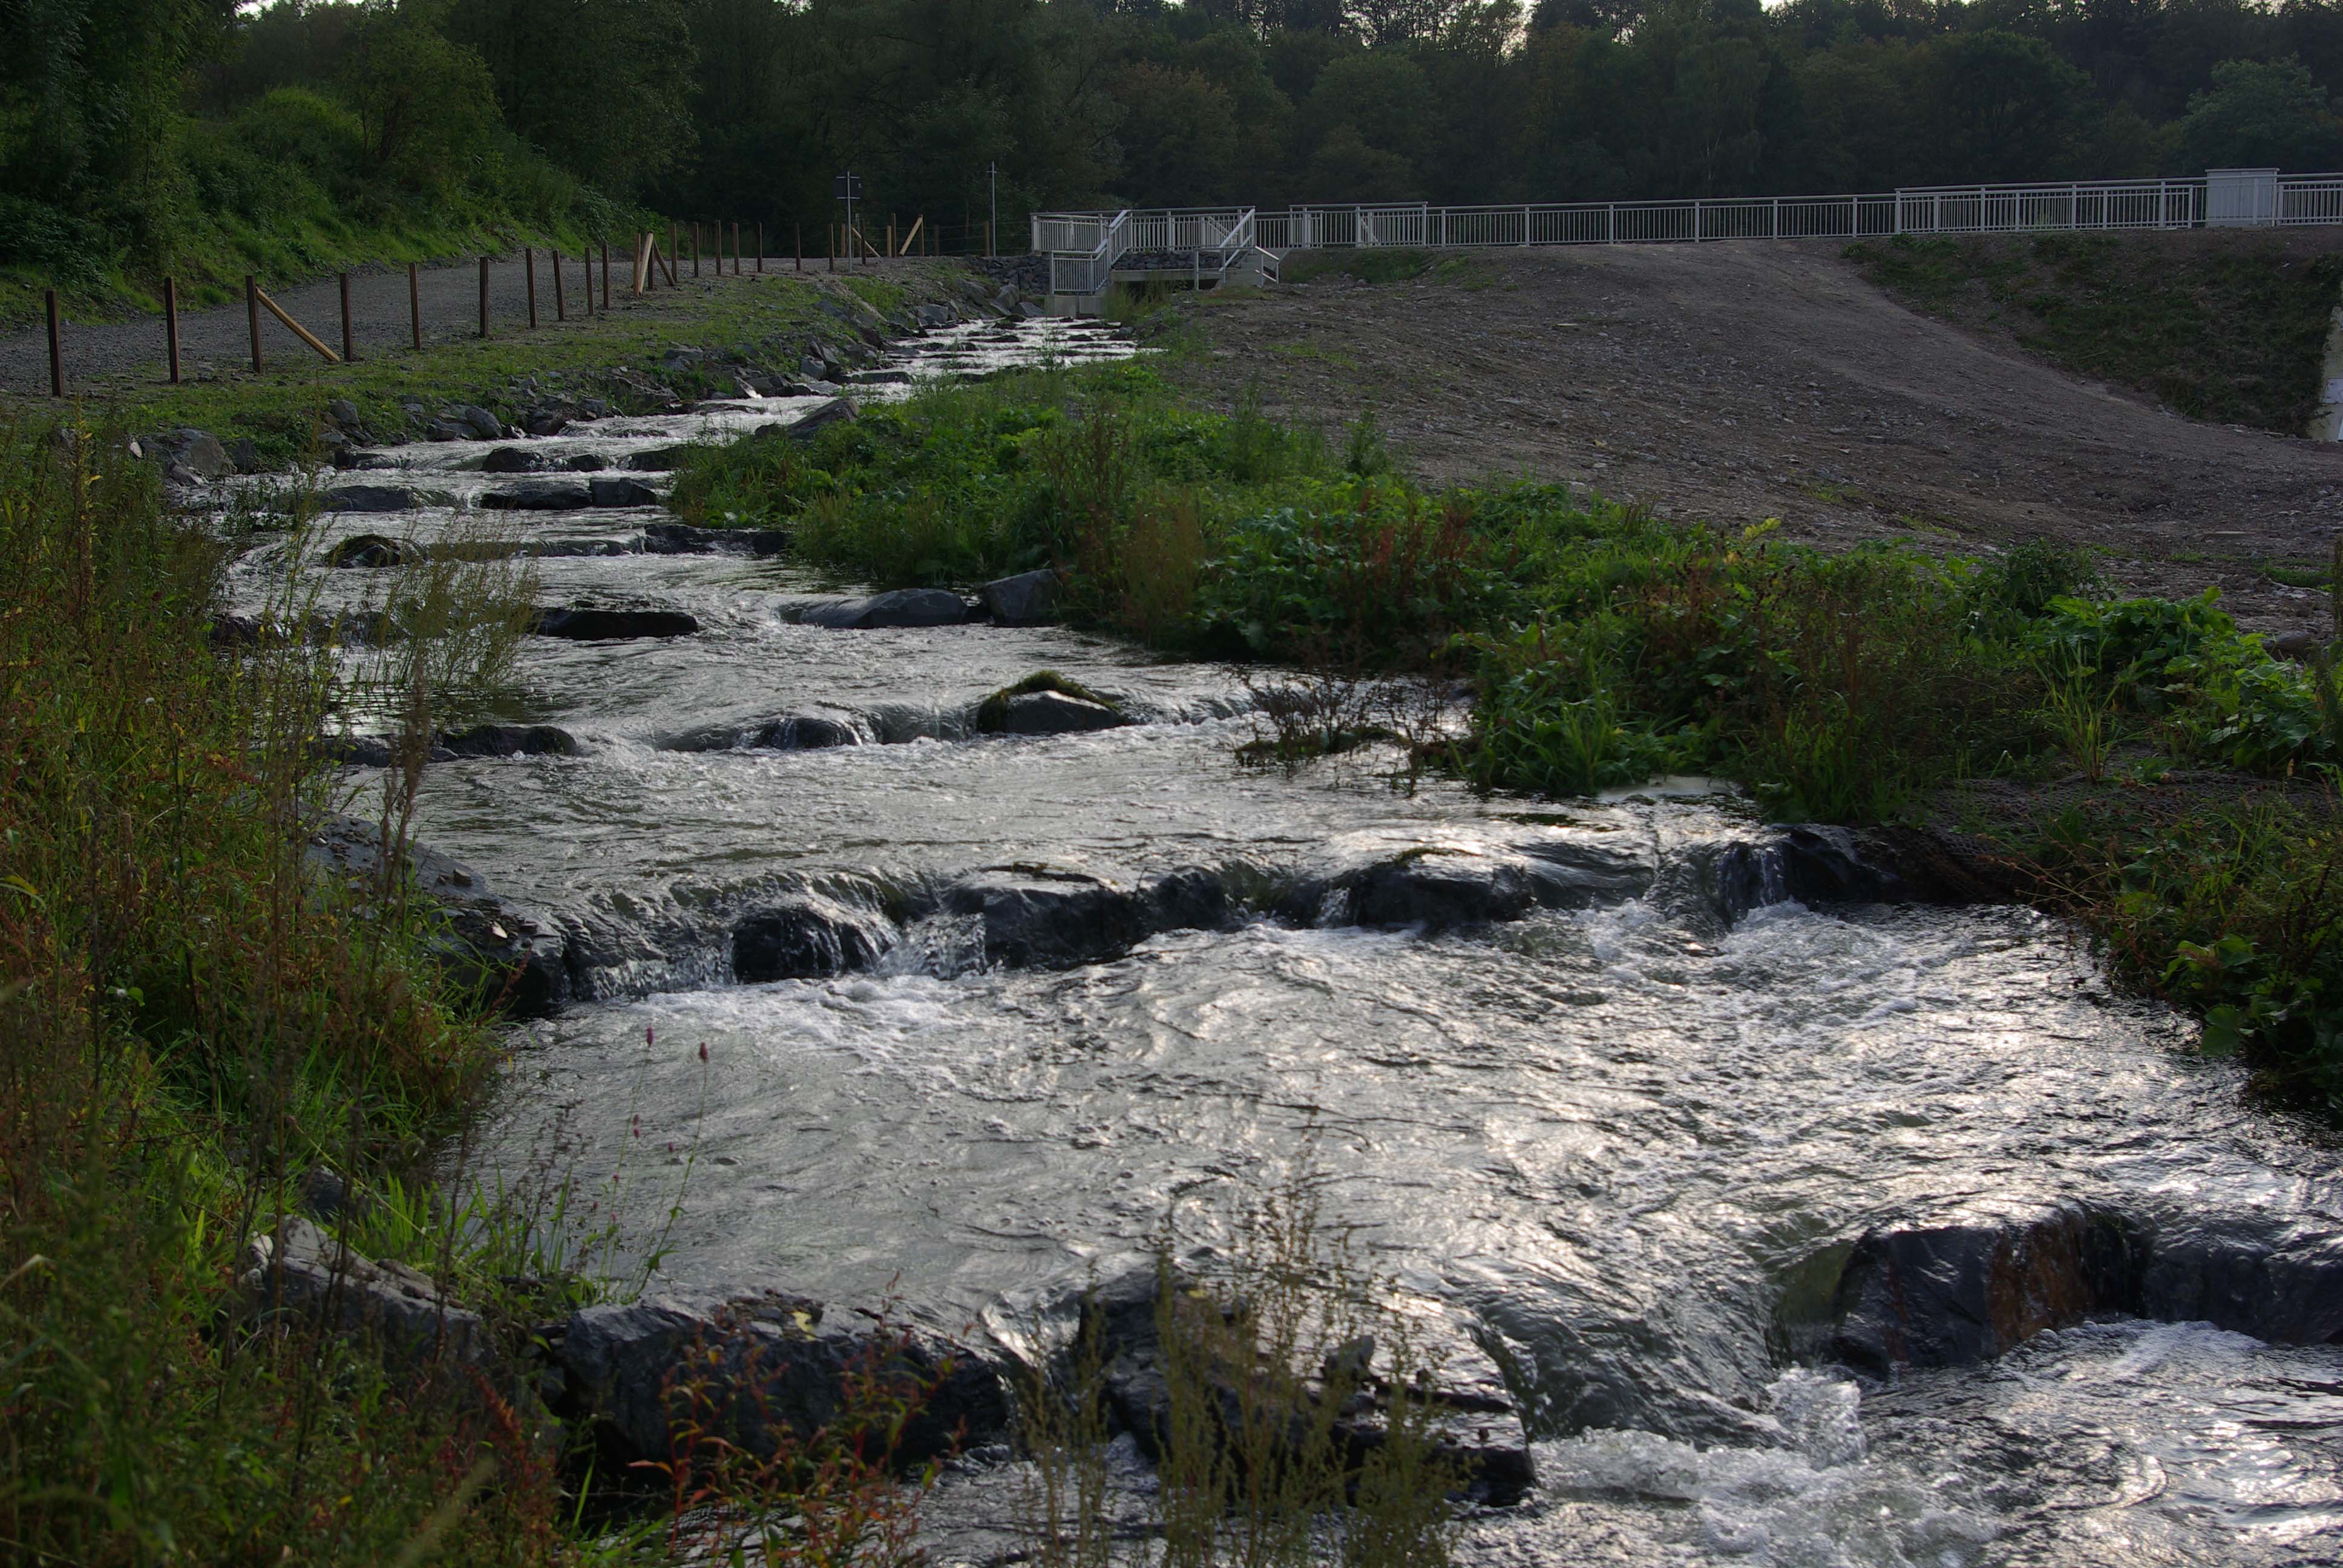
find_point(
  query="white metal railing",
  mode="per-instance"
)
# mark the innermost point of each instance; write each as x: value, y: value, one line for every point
x: 2299, y: 199
x: 1080, y: 267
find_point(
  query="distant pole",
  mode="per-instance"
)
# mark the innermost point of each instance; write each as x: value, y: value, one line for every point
x: 414, y: 305
x: 171, y: 324
x: 57, y: 349
x: 695, y: 248
x: 349, y: 350
x: 528, y: 267
x: 252, y: 315
x: 988, y: 240
x: 797, y: 241
x: 736, y: 250
x: 560, y: 305
x: 484, y: 297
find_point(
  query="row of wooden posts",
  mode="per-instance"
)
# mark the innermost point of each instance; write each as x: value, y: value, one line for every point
x: 649, y: 261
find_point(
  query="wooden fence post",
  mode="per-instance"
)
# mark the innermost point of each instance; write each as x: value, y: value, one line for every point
x: 605, y: 276
x: 560, y: 305
x: 796, y: 240
x: 252, y: 315
x: 171, y: 324
x: 350, y: 349
x: 484, y: 297
x: 695, y: 248
x: 57, y: 349
x: 414, y: 305
x: 736, y: 247
x: 528, y: 267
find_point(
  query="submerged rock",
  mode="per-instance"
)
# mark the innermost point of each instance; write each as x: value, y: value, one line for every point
x: 510, y: 741
x: 540, y: 496
x: 1054, y: 713
x: 808, y: 937
x: 588, y: 625
x: 1976, y: 1279
x: 750, y: 1371
x: 367, y: 499
x: 1439, y: 886
x: 1036, y: 916
x: 683, y: 539
x: 299, y: 1270
x: 791, y: 732
x: 1477, y: 1427
x: 898, y: 607
x: 371, y: 550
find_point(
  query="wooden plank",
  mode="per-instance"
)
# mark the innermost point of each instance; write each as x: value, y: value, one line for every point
x: 914, y: 235
x: 296, y: 328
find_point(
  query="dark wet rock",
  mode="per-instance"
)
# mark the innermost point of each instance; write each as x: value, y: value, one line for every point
x: 303, y: 1271
x: 1439, y: 886
x: 355, y: 458
x: 660, y: 459
x: 446, y: 430
x: 835, y: 412
x: 506, y: 958
x: 198, y: 452
x: 1975, y: 1279
x: 683, y: 539
x: 476, y: 421
x: 371, y: 550
x: 367, y: 499
x: 510, y: 741
x: 544, y: 422
x: 1035, y: 916
x: 1479, y: 1429
x: 513, y: 460
x: 763, y: 1366
x: 1029, y: 598
x: 880, y: 378
x: 540, y: 496
x: 622, y: 493
x: 789, y: 732
x: 809, y: 935
x: 1054, y: 713
x: 1194, y: 898
x: 354, y: 750
x: 588, y: 625
x: 585, y: 463
x: 1821, y: 864
x: 1966, y: 1286
x: 900, y: 608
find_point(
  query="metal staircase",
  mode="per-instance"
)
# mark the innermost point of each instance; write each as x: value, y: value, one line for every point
x: 1090, y: 253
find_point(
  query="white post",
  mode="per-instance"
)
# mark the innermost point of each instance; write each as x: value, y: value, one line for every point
x: 1611, y: 224
x: 1525, y: 226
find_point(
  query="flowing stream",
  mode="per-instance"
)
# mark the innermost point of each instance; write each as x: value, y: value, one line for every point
x: 1608, y: 1140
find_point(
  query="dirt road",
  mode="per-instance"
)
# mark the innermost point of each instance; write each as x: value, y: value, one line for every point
x: 1745, y: 381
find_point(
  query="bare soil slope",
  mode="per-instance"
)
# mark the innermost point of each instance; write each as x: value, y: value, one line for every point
x: 1744, y: 381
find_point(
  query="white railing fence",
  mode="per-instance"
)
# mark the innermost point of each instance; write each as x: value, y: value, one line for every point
x: 2223, y: 198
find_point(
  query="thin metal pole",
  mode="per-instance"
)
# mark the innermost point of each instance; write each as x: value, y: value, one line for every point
x: 171, y: 324
x: 484, y: 297
x: 560, y: 305
x: 414, y: 305
x: 529, y: 266
x: 57, y: 348
x: 252, y: 315
x: 350, y: 349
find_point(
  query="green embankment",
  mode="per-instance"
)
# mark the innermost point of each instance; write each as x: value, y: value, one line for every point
x: 2140, y: 764
x: 2222, y: 326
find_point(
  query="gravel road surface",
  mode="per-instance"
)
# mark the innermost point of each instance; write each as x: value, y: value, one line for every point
x: 1745, y: 381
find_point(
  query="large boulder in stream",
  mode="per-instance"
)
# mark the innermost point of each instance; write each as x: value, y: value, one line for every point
x: 1372, y: 881
x: 809, y: 935
x: 788, y: 732
x: 510, y: 740
x: 369, y: 499
x: 1973, y: 1278
x: 1035, y: 915
x: 514, y: 460
x: 586, y: 624
x: 898, y: 608
x: 622, y: 493
x: 750, y: 1371
x: 1029, y: 598
x: 1051, y: 713
x: 373, y: 550
x: 540, y: 496
x: 1477, y: 1427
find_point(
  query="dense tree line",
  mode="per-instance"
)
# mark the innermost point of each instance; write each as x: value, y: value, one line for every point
x: 131, y: 118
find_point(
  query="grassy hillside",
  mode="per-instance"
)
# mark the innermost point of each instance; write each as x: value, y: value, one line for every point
x: 2222, y: 326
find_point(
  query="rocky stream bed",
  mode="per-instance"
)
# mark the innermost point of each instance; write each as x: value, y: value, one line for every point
x: 1776, y: 1202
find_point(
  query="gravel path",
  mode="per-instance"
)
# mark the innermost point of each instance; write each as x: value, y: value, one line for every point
x: 220, y: 336
x: 1745, y: 381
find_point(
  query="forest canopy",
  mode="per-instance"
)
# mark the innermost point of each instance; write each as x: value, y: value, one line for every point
x: 131, y: 130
